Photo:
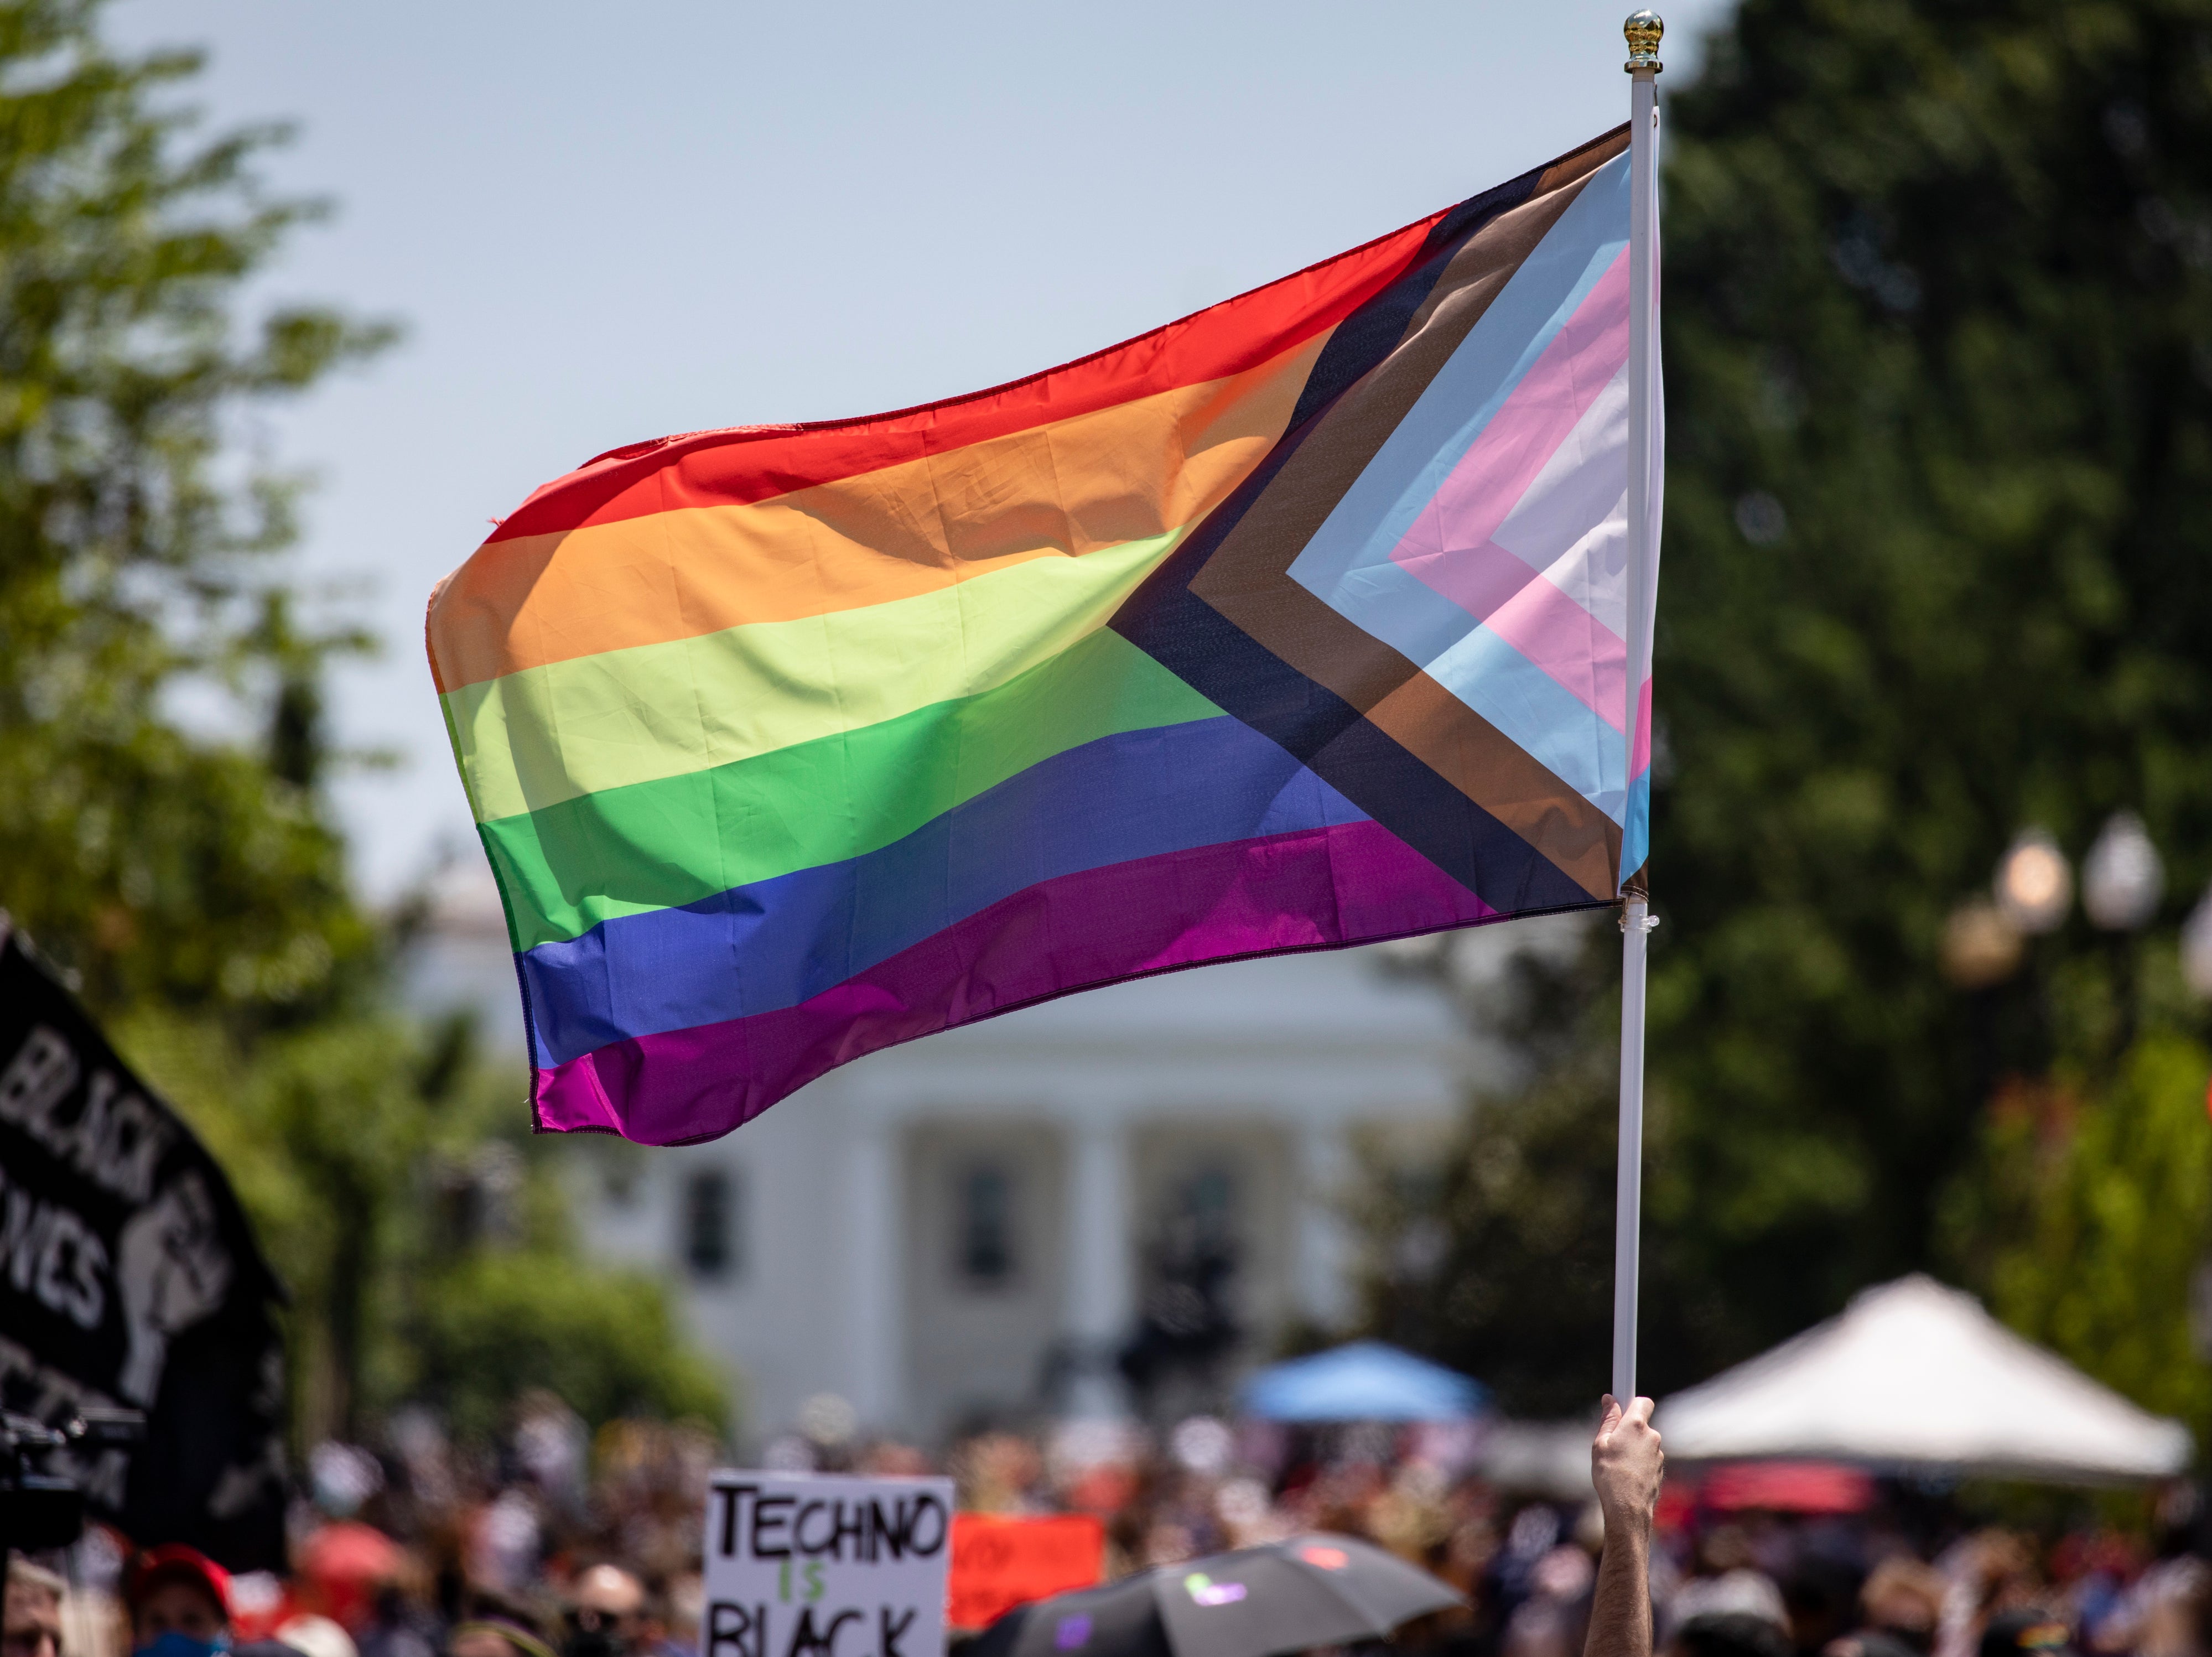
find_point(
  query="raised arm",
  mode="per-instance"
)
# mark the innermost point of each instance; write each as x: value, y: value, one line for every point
x: 1625, y: 1464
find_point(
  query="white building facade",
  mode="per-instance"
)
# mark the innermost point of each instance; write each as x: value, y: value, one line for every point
x: 973, y: 1228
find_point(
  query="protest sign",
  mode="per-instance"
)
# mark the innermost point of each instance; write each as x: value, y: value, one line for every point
x: 129, y: 1277
x: 807, y: 1565
x: 1000, y: 1561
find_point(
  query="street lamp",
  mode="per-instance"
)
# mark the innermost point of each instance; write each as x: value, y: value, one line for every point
x: 2196, y: 947
x: 1981, y: 946
x: 2122, y: 881
x: 2034, y: 885
x: 2122, y: 878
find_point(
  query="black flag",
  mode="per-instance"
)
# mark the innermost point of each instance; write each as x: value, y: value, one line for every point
x: 129, y: 1277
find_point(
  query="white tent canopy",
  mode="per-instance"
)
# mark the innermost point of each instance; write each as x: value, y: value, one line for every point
x: 1915, y: 1374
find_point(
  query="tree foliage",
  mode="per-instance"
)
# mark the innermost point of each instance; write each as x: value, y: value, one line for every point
x: 190, y: 870
x: 2101, y: 1255
x: 606, y: 1341
x: 1940, y: 480
x: 427, y: 1243
x: 134, y: 548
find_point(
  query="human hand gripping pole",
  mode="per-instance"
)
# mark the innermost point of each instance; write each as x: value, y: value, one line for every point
x: 1627, y: 1464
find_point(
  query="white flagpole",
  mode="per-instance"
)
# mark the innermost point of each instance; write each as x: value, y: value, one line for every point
x: 1642, y: 31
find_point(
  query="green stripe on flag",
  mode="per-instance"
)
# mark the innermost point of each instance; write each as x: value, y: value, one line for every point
x: 532, y: 739
x: 675, y: 841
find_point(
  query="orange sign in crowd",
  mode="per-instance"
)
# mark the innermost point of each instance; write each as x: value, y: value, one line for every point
x: 1000, y: 1561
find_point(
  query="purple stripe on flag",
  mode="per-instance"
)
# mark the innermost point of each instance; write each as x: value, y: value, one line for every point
x: 1311, y: 889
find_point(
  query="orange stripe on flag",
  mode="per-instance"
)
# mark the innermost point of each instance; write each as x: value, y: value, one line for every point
x: 1103, y: 479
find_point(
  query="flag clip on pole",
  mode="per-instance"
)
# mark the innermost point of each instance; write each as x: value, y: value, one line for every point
x: 1642, y: 31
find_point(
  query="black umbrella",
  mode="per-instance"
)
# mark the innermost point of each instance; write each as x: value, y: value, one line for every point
x: 1317, y: 1590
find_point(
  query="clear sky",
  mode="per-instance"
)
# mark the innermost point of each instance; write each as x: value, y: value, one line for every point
x: 603, y: 223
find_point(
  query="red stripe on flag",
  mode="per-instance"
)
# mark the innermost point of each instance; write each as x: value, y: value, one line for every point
x: 757, y: 463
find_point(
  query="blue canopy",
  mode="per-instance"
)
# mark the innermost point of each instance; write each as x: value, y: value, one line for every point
x: 1366, y: 1380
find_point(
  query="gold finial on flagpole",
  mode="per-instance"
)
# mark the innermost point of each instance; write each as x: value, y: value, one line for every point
x: 1642, y: 31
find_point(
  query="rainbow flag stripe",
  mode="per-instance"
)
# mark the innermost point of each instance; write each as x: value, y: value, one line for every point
x: 1295, y: 624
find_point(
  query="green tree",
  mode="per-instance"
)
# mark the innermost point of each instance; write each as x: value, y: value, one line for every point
x: 1937, y: 569
x: 2110, y: 1193
x: 191, y: 873
x: 156, y: 862
x: 1940, y: 475
x: 606, y: 1342
x: 428, y: 1240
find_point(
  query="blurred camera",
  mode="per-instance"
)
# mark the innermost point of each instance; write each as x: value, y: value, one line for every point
x: 41, y: 1503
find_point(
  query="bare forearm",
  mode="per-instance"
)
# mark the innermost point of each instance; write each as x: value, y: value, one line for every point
x: 1626, y: 1467
x: 1620, y: 1607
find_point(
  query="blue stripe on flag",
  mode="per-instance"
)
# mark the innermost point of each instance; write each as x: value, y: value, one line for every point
x: 1636, y: 833
x: 774, y: 943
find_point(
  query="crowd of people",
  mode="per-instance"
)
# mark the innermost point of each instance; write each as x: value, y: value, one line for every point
x: 558, y: 1543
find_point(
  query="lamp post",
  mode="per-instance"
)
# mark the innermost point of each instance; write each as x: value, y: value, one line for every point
x: 2121, y: 880
x: 2196, y: 947
x: 1986, y: 941
x: 2123, y: 877
x: 2034, y: 885
x: 2033, y: 890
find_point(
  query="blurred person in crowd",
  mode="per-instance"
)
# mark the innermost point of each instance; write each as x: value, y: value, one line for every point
x: 1551, y: 1621
x: 1726, y: 1580
x: 2093, y: 1569
x: 605, y: 1606
x: 1739, y: 1592
x: 1869, y: 1643
x: 886, y: 1458
x: 496, y: 1626
x: 1729, y: 1633
x: 2167, y: 1613
x: 2026, y: 1631
x: 179, y: 1604
x: 658, y: 1620
x: 1464, y: 1561
x: 505, y: 1540
x: 1990, y: 1573
x: 313, y: 1635
x: 1726, y: 1547
x: 34, y: 1618
x: 1410, y: 1516
x: 998, y: 1472
x: 400, y: 1622
x: 686, y: 1603
x: 1902, y: 1601
x: 1821, y: 1597
x: 1627, y: 1464
x: 1533, y: 1533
